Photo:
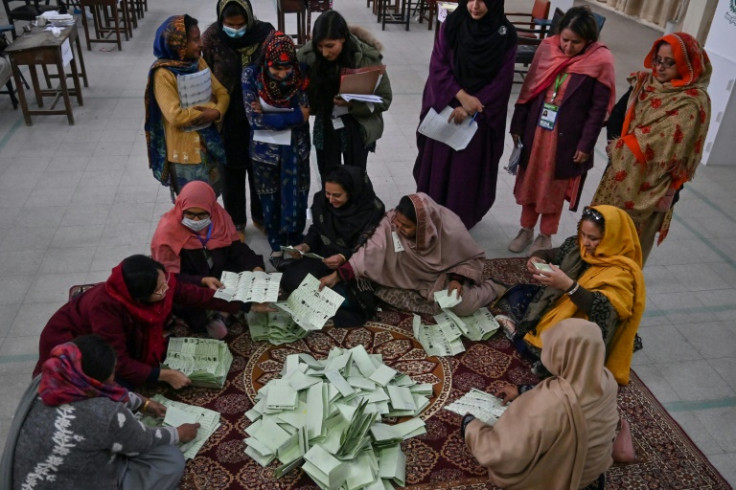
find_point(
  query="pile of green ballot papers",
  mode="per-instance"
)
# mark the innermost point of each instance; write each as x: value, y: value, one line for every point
x: 277, y: 327
x: 325, y: 416
x: 445, y: 337
x: 178, y: 413
x: 205, y: 361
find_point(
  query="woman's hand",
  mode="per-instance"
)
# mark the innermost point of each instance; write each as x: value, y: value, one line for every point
x: 530, y: 263
x: 334, y: 261
x: 155, y: 409
x: 256, y: 107
x: 455, y: 285
x: 212, y: 283
x: 580, y: 157
x: 340, y: 102
x: 457, y: 116
x: 208, y: 115
x: 302, y: 247
x: 187, y: 432
x: 556, y: 279
x: 305, y: 112
x: 609, y: 147
x: 259, y: 269
x: 508, y: 394
x: 470, y: 103
x: 330, y: 281
x: 175, y: 378
x: 262, y: 307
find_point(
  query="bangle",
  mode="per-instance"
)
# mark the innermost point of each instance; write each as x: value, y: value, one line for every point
x: 573, y: 289
x: 145, y: 405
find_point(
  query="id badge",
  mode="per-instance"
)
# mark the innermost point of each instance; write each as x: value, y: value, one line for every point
x: 549, y: 116
x: 337, y: 123
x: 398, y: 247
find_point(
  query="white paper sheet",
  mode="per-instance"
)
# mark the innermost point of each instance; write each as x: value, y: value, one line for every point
x: 456, y: 136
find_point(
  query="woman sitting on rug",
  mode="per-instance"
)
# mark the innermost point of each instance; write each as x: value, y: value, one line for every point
x: 424, y: 247
x: 561, y: 433
x: 130, y: 311
x: 344, y: 215
x: 595, y: 275
x: 198, y: 241
x: 75, y: 428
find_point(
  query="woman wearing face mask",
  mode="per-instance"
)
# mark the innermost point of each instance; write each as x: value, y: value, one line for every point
x: 275, y: 97
x: 198, y: 241
x: 177, y: 154
x: 344, y: 132
x: 129, y: 311
x: 565, y: 98
x: 424, y: 247
x: 228, y: 46
x: 656, y: 134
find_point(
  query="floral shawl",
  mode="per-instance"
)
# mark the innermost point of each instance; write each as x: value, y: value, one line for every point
x: 662, y: 136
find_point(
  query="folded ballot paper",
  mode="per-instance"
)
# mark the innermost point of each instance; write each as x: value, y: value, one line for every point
x: 178, y: 413
x: 325, y: 417
x: 483, y: 406
x: 205, y: 361
x: 247, y: 286
x: 276, y: 327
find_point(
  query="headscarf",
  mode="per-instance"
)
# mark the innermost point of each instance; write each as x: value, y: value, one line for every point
x: 614, y: 270
x: 347, y: 227
x: 256, y: 31
x: 171, y: 236
x: 279, y: 52
x: 479, y: 46
x: 64, y: 381
x: 596, y: 61
x: 154, y: 315
x: 442, y: 245
x: 663, y: 133
x: 559, y: 434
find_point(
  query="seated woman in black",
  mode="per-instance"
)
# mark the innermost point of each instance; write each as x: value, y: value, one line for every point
x: 344, y: 215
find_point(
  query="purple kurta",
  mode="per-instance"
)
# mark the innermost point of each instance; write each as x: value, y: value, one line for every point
x: 464, y: 181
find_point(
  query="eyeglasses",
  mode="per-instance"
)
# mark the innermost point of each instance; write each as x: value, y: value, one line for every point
x: 593, y: 215
x: 666, y: 62
x: 202, y: 215
x: 161, y: 290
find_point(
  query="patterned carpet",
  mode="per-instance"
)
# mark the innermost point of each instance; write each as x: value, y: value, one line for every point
x: 438, y: 459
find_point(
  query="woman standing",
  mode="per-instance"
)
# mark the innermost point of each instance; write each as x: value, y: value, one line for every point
x: 275, y: 96
x: 560, y: 112
x: 657, y: 146
x: 471, y: 70
x: 344, y: 132
x: 228, y: 46
x: 177, y: 154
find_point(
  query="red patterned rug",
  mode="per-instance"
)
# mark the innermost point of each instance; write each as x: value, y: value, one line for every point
x: 438, y: 459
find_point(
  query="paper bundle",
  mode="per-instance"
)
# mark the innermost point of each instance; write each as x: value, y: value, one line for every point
x: 178, y: 413
x: 247, y: 286
x: 483, y: 406
x: 205, y: 361
x: 275, y: 327
x: 324, y: 415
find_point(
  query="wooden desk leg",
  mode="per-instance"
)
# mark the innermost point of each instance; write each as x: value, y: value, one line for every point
x: 281, y: 21
x: 83, y: 70
x: 77, y: 85
x: 36, y: 86
x: 65, y: 91
x: 21, y: 94
x: 86, y: 27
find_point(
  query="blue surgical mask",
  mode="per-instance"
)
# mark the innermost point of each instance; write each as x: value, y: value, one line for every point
x: 233, y: 33
x: 196, y: 225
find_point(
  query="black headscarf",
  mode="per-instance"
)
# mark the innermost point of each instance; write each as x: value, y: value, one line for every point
x: 479, y: 46
x: 346, y: 228
x: 256, y: 31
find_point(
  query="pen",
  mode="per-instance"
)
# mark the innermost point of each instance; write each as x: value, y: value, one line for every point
x: 472, y: 118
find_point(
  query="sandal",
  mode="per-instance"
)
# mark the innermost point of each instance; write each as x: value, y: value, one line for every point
x: 508, y: 325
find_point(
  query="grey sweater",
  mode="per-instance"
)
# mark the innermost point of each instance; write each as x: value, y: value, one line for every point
x: 82, y: 444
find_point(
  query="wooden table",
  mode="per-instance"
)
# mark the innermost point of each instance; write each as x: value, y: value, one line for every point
x: 41, y: 47
x: 297, y: 7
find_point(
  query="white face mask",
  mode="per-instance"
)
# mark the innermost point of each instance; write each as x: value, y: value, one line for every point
x: 196, y: 225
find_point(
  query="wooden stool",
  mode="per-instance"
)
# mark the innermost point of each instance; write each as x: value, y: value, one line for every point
x: 106, y: 25
x: 297, y: 7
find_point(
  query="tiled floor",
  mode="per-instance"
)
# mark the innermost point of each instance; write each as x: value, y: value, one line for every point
x: 75, y: 200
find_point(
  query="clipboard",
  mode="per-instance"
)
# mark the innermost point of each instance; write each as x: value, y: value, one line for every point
x: 361, y: 80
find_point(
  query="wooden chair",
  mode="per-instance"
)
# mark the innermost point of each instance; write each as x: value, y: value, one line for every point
x: 108, y: 18
x: 6, y: 73
x: 298, y: 7
x: 25, y: 10
x: 531, y: 28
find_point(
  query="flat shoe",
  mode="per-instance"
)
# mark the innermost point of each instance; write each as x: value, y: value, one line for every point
x: 522, y: 240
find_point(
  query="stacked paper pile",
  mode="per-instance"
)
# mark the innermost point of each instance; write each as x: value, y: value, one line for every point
x: 483, y: 406
x: 324, y: 415
x: 178, y: 413
x: 205, y: 361
x: 276, y: 327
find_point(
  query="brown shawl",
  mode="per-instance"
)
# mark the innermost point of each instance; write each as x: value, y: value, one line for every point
x: 441, y: 246
x: 560, y: 434
x: 662, y: 136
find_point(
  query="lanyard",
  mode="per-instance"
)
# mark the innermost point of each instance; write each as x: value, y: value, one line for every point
x: 204, y: 241
x: 558, y: 82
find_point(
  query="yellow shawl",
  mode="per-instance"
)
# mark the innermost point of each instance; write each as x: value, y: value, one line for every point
x: 615, y: 271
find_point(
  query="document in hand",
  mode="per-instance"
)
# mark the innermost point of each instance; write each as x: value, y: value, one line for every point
x: 205, y: 361
x: 194, y: 89
x: 247, y: 286
x: 456, y: 136
x: 483, y: 406
x: 310, y: 307
x: 513, y: 166
x: 356, y: 82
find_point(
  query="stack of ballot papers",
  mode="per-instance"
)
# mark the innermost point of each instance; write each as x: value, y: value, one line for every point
x: 247, y: 286
x: 178, y: 413
x: 444, y: 338
x: 308, y: 306
x: 483, y: 406
x: 325, y: 417
x: 275, y: 327
x: 205, y: 361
